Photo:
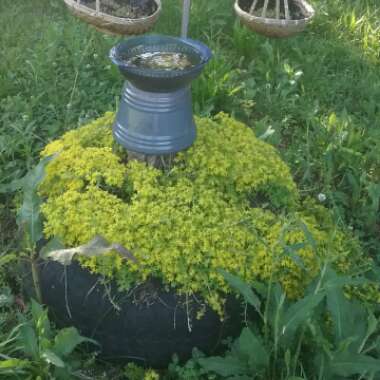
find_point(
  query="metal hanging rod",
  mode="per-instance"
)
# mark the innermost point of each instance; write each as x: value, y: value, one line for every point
x: 185, y: 18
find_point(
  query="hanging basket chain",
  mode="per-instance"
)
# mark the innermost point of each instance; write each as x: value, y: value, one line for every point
x: 278, y: 9
x: 264, y: 12
x: 185, y: 18
x: 253, y: 6
x: 287, y: 16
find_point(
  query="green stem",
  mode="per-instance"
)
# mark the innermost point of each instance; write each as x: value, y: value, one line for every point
x: 298, y: 351
x: 36, y: 279
x: 323, y: 272
x: 276, y: 333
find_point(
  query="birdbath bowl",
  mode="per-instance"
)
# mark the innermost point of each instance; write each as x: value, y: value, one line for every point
x: 155, y: 114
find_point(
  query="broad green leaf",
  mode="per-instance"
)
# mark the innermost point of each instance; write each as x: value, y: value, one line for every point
x: 37, y: 310
x: 348, y: 364
x: 36, y: 175
x: 348, y: 317
x: 275, y: 304
x: 67, y: 340
x: 371, y: 329
x: 299, y: 312
x: 339, y: 308
x: 243, y: 288
x: 29, y: 342
x: 29, y: 217
x: 96, y: 247
x: 14, y: 363
x: 333, y: 280
x: 41, y: 320
x: 252, y: 347
x: 227, y: 366
x: 51, y: 358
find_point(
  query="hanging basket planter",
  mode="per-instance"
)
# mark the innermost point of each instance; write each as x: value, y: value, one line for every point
x: 275, y: 18
x: 95, y: 12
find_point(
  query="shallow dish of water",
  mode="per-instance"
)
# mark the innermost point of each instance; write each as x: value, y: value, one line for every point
x: 160, y: 63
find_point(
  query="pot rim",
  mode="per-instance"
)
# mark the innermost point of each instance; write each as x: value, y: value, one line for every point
x: 199, y: 48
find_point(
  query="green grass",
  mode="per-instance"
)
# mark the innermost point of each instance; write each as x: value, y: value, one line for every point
x: 317, y: 95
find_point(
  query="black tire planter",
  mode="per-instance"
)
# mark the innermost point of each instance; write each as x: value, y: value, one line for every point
x: 144, y: 329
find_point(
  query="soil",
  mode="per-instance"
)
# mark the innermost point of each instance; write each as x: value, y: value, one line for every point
x: 295, y: 11
x: 132, y: 9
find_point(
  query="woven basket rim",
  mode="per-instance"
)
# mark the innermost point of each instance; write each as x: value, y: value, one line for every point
x: 113, y: 19
x: 277, y: 22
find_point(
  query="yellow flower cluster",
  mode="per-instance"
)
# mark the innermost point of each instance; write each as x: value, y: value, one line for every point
x: 227, y: 155
x: 206, y: 213
x: 84, y: 158
x: 76, y: 168
x: 78, y: 216
x: 96, y: 134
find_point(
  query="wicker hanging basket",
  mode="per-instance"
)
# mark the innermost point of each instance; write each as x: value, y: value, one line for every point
x: 280, y: 24
x: 112, y: 24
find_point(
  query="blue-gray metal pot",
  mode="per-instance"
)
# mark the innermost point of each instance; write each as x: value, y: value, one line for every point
x: 153, y: 80
x: 155, y: 114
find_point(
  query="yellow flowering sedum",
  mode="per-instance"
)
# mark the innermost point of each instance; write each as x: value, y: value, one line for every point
x: 96, y: 134
x: 229, y: 202
x: 228, y: 156
x: 77, y: 167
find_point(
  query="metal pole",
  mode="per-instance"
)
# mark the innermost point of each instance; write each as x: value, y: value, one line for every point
x: 185, y: 18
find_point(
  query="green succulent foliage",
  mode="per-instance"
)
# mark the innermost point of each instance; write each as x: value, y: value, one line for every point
x: 228, y: 202
x: 339, y: 333
x: 33, y: 349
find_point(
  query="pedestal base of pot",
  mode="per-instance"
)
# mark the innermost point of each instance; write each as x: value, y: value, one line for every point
x: 147, y: 325
x: 155, y: 123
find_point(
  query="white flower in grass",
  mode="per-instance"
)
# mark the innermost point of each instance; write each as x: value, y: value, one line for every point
x: 321, y: 197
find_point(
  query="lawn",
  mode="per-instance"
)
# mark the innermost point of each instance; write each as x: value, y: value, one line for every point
x: 315, y: 97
